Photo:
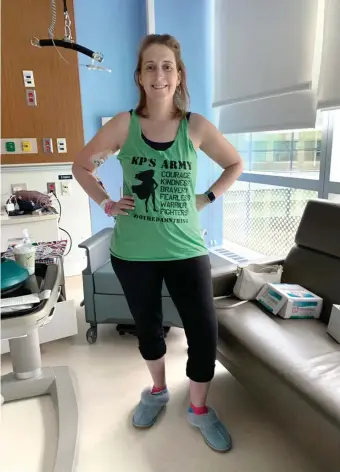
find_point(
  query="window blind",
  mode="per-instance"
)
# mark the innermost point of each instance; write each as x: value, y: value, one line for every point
x: 265, y: 64
x: 329, y: 81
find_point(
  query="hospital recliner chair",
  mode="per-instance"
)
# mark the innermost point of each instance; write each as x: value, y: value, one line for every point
x: 104, y: 299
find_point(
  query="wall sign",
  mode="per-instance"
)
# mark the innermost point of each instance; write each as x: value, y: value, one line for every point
x: 65, y: 177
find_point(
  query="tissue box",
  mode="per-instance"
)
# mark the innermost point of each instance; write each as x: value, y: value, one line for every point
x: 290, y: 301
x: 334, y: 323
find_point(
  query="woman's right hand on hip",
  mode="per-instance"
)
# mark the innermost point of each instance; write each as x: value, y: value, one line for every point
x: 119, y: 208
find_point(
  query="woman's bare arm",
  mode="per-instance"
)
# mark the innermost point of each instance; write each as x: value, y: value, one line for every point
x: 209, y: 139
x: 108, y: 140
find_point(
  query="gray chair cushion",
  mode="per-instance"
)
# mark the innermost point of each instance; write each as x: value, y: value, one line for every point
x: 106, y: 282
x: 319, y: 228
x: 299, y: 351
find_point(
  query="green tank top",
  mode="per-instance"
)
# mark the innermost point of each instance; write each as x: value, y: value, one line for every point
x: 165, y: 223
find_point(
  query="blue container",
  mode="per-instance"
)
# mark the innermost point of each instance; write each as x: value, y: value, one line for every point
x: 12, y: 274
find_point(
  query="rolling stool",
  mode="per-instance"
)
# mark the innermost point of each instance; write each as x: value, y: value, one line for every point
x: 29, y: 379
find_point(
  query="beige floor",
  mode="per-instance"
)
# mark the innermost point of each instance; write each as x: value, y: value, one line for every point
x: 110, y: 375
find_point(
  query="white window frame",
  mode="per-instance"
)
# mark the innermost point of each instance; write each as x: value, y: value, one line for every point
x: 323, y: 185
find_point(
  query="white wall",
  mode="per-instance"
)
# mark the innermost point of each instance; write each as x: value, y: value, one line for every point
x: 75, y: 216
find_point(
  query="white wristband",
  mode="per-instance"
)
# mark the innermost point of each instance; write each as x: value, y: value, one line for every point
x: 104, y: 202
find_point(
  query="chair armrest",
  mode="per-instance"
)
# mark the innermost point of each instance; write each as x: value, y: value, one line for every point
x: 97, y: 250
x: 223, y: 281
x: 224, y: 278
x: 269, y: 260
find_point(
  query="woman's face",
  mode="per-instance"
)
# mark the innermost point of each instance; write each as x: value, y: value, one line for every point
x: 159, y: 76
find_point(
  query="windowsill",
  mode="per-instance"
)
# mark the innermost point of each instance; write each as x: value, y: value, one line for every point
x: 295, y: 174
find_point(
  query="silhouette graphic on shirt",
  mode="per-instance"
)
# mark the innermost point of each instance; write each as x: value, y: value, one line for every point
x: 146, y: 188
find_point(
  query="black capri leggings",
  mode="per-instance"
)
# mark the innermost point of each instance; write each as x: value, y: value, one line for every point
x: 190, y: 287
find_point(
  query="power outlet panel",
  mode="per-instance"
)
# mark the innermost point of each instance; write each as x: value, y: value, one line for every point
x: 15, y: 146
x: 31, y: 98
x: 65, y: 187
x: 47, y: 144
x: 10, y: 146
x: 28, y: 78
x: 61, y: 145
x: 26, y: 146
x: 51, y: 187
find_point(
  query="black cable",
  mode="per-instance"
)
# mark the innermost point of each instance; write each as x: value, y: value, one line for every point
x: 68, y: 252
x: 55, y: 196
x: 65, y: 6
x: 68, y: 45
x: 62, y: 229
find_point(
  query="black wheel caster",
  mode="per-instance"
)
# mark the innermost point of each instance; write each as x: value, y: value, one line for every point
x: 91, y: 335
x: 123, y: 329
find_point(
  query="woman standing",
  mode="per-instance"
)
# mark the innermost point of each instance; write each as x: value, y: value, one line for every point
x: 157, y: 236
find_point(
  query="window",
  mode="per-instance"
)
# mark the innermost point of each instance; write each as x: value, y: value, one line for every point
x: 281, y: 152
x: 263, y: 218
x: 283, y: 170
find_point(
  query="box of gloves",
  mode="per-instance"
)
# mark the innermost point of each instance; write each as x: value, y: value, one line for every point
x: 334, y: 323
x: 290, y: 301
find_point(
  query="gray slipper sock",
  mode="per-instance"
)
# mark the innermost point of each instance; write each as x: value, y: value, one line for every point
x: 149, y: 407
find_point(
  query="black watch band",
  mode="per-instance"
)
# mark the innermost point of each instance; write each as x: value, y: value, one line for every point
x: 211, y: 196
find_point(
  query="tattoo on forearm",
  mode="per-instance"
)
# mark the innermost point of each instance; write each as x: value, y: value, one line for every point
x: 99, y: 159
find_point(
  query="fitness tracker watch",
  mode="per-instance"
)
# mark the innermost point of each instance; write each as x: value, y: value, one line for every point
x: 210, y: 196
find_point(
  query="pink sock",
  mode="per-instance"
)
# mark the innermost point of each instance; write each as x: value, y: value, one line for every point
x: 199, y: 410
x: 156, y: 390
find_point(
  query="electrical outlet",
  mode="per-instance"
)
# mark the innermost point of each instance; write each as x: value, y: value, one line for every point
x: 65, y: 187
x: 26, y: 146
x: 17, y: 187
x: 61, y: 145
x: 31, y: 98
x: 47, y: 144
x: 28, y: 78
x: 51, y: 187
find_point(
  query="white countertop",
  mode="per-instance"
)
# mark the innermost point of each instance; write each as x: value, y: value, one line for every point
x: 10, y: 220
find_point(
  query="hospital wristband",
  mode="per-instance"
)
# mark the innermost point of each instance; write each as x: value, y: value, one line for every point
x: 104, y: 202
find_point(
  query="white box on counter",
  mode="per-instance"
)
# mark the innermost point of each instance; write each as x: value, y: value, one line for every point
x: 334, y: 323
x: 290, y: 301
